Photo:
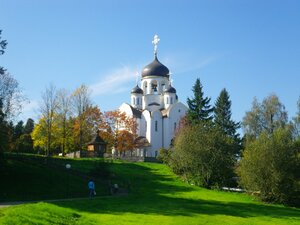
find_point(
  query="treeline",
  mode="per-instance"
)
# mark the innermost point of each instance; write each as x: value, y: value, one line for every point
x: 67, y: 120
x: 209, y: 152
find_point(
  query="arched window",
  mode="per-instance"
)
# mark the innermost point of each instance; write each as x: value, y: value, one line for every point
x: 171, y: 100
x: 154, y: 86
x: 155, y: 125
x: 138, y: 101
x: 167, y: 100
x: 133, y: 100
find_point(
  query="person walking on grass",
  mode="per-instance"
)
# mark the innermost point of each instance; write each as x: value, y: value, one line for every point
x: 91, y: 186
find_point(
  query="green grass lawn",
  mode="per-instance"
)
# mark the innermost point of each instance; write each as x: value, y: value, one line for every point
x: 156, y: 196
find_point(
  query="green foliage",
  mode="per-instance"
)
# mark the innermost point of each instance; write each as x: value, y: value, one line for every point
x: 164, y: 155
x: 266, y: 116
x: 29, y: 126
x: 222, y: 114
x: 296, y: 121
x: 3, y: 44
x: 24, y: 144
x: 203, y: 155
x: 269, y: 167
x: 199, y: 107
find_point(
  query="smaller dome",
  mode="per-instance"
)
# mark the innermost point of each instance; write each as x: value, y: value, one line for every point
x: 137, y: 90
x: 170, y: 90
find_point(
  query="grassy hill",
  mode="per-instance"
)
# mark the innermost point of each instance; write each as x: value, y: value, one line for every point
x: 156, y: 196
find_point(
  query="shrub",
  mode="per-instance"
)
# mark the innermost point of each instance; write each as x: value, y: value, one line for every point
x: 203, y: 155
x: 164, y: 155
x: 269, y: 165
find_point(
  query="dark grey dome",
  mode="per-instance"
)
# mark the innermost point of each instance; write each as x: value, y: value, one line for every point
x: 170, y: 90
x: 156, y: 68
x: 137, y: 90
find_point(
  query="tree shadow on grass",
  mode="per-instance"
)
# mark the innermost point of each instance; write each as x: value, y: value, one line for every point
x: 155, y: 193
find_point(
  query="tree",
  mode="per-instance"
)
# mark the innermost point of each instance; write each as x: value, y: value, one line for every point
x: 199, y: 108
x: 296, y: 121
x: 29, y: 126
x: 48, y: 107
x: 87, y: 125
x: 270, y: 165
x: 18, y: 130
x: 80, y: 102
x: 222, y: 114
x: 3, y: 44
x: 119, y: 131
x: 10, y: 102
x: 63, y: 114
x: 266, y: 116
x: 24, y: 144
x: 203, y: 155
x: 39, y: 136
x: 222, y: 118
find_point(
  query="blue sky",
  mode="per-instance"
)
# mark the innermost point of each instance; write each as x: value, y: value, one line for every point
x: 249, y: 47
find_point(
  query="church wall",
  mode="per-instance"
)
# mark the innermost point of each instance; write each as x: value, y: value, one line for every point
x: 176, y: 112
x: 153, y: 98
x: 156, y: 132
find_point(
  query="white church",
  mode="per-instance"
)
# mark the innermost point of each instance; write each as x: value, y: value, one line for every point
x: 156, y: 108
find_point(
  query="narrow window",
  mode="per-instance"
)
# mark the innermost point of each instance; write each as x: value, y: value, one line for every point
x: 156, y: 125
x: 133, y: 98
x: 138, y: 101
x: 167, y: 100
x: 171, y: 100
x: 175, y: 125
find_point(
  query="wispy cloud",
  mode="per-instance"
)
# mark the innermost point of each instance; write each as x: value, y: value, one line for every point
x: 199, y: 64
x: 115, y: 82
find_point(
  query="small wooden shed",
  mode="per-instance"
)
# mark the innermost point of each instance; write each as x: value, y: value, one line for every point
x: 97, y: 145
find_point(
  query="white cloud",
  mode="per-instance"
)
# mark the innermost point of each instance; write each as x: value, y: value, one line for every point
x: 115, y: 82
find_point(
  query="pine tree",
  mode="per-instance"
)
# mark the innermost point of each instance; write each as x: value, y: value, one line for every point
x: 222, y: 114
x: 199, y: 107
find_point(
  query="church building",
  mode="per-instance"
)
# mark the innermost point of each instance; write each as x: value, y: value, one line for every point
x: 156, y: 108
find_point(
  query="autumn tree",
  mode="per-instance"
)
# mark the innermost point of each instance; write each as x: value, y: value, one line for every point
x: 80, y: 103
x: 39, y: 136
x: 63, y: 118
x: 119, y: 131
x: 199, y: 106
x: 87, y: 125
x: 48, y: 108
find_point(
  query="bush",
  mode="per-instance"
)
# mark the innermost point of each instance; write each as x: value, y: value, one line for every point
x: 269, y: 167
x: 203, y: 155
x: 164, y: 155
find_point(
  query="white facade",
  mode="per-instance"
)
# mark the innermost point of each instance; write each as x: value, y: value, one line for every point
x: 156, y: 108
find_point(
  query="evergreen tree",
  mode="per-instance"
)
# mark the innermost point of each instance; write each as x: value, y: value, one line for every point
x: 222, y: 114
x: 199, y: 107
x: 29, y: 126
